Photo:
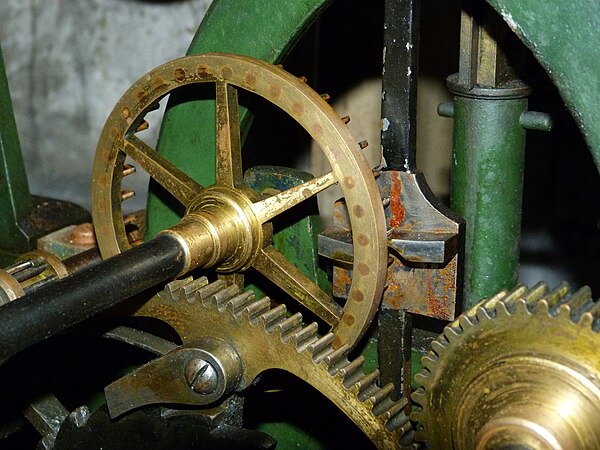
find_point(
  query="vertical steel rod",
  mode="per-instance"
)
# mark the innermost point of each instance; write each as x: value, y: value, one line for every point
x: 399, y: 95
x: 399, y: 145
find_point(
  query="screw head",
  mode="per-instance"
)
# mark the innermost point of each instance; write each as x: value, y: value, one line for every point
x: 201, y: 376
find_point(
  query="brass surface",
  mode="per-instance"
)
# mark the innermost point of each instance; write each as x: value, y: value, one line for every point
x: 265, y: 338
x: 30, y: 269
x: 519, y: 370
x: 225, y: 226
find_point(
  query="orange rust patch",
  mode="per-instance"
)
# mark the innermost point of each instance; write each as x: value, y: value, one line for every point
x: 142, y: 96
x: 348, y: 319
x: 114, y: 133
x: 227, y: 72
x: 201, y: 70
x: 349, y: 182
x: 337, y: 342
x: 180, y: 74
x: 317, y: 129
x: 396, y: 208
x: 359, y: 211
x: 363, y: 240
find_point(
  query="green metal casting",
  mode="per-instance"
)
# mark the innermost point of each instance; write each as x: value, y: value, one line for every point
x: 565, y: 38
x: 487, y: 187
x: 188, y: 129
x: 15, y: 199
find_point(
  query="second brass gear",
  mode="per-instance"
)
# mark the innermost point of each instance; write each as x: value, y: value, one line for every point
x: 197, y: 309
x: 519, y: 370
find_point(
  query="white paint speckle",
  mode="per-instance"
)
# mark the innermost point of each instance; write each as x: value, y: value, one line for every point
x: 408, y: 46
x: 384, y: 52
x: 406, y: 164
x: 408, y: 72
x: 385, y: 124
x: 383, y: 95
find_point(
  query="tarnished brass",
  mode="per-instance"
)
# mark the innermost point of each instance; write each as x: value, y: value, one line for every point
x: 520, y: 370
x: 29, y: 271
x: 199, y: 311
x: 226, y: 226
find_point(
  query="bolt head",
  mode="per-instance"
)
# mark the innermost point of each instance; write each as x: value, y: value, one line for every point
x: 201, y: 376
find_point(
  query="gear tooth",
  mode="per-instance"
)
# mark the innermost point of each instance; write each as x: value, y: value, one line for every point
x: 238, y: 303
x: 519, y: 291
x: 337, y: 359
x: 580, y: 303
x: 429, y: 361
x: 171, y: 290
x: 419, y: 396
x: 188, y: 290
x: 423, y: 377
x: 438, y: 346
x: 556, y: 295
x: 306, y: 336
x: 321, y: 348
x: 407, y: 441
x: 520, y: 307
x: 586, y: 320
x: 272, y: 318
x: 490, y: 304
x: 466, y: 322
x: 255, y: 309
x: 563, y: 311
x: 536, y: 293
x: 451, y: 334
x: 290, y: 326
x: 483, y: 314
x: 204, y: 293
x: 502, y: 311
x: 379, y: 397
x: 395, y: 415
x: 366, y: 383
x: 542, y: 308
x: 352, y: 372
x: 220, y: 297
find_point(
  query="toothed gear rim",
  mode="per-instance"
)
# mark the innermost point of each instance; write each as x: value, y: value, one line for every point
x: 519, y: 370
x: 251, y: 326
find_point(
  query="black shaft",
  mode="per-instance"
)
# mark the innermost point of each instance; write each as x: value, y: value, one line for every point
x: 399, y: 96
x: 41, y: 314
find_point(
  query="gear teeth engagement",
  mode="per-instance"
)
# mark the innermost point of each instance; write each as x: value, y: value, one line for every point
x: 539, y: 302
x: 388, y: 421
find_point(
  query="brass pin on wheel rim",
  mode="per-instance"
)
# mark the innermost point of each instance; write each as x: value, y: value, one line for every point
x: 349, y: 170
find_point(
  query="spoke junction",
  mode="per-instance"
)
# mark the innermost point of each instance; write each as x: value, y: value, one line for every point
x: 180, y: 185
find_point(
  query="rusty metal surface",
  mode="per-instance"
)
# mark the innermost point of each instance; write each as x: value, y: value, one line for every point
x: 429, y: 287
x: 423, y: 287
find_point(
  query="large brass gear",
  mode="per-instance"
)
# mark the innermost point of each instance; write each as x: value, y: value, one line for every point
x: 199, y: 310
x: 226, y: 225
x: 520, y: 370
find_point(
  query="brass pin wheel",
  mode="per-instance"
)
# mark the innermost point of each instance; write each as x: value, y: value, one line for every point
x: 226, y: 225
